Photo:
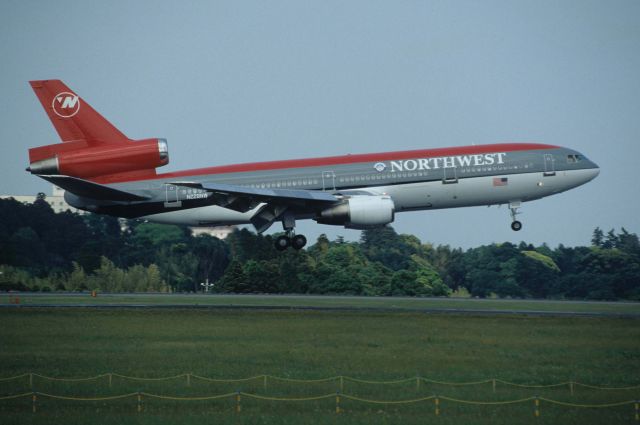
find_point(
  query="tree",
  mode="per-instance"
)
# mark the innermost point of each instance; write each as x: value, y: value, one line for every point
x: 178, y: 267
x: 212, y: 256
x: 107, y: 278
x: 261, y: 276
x: 245, y: 245
x: 537, y: 274
x: 234, y: 280
x: 615, y: 272
x: 384, y: 245
x: 629, y: 243
x: 611, y: 240
x: 428, y: 279
x: 28, y: 250
x: 77, y: 280
x: 598, y: 237
x: 294, y: 269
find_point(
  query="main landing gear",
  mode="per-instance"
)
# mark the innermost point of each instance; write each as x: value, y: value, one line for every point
x: 297, y: 242
x: 290, y: 239
x: 515, y: 224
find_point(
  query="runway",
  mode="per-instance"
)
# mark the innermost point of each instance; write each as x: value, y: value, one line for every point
x: 355, y: 304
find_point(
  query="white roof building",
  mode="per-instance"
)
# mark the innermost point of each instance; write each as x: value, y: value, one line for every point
x: 55, y: 200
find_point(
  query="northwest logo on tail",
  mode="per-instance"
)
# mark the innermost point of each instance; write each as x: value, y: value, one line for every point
x: 66, y: 104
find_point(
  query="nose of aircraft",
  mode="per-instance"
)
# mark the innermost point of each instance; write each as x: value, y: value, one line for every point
x: 592, y: 173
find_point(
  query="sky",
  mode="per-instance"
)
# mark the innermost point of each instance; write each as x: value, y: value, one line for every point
x: 242, y: 81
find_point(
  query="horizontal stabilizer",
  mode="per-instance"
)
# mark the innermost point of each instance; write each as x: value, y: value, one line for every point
x: 87, y: 189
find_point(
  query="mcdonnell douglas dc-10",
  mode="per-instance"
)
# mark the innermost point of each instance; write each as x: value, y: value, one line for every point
x: 105, y: 172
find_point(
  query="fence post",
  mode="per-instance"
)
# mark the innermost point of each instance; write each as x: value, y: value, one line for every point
x: 139, y: 402
x: 437, y: 403
x: 536, y: 412
x: 494, y: 385
x: 238, y: 406
x: 31, y: 381
x: 189, y: 379
x: 417, y: 383
x: 264, y: 382
x: 571, y: 387
x: 337, y: 401
x: 34, y: 399
x: 110, y: 379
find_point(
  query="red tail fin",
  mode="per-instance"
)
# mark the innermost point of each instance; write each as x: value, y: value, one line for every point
x: 93, y: 148
x: 73, y: 118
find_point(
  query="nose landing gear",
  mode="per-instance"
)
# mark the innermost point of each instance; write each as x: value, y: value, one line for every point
x: 516, y: 226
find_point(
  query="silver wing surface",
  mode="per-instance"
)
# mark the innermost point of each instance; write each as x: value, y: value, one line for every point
x: 275, y: 202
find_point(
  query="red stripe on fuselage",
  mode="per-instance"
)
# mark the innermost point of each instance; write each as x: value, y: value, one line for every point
x: 338, y: 160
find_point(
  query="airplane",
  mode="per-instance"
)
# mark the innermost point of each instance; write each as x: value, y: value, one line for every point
x: 105, y: 172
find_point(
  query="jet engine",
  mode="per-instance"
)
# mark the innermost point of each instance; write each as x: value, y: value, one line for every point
x: 360, y: 212
x: 79, y: 160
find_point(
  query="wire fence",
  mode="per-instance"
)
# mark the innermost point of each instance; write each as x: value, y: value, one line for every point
x: 340, y: 389
x: 139, y: 397
x: 339, y: 380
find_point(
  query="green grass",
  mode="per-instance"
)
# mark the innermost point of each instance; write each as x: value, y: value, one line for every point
x: 368, y: 345
x: 387, y: 303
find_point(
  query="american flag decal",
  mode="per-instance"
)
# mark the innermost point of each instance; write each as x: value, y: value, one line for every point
x: 500, y: 181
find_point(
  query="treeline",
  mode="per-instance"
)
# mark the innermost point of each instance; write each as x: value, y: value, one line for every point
x: 41, y: 250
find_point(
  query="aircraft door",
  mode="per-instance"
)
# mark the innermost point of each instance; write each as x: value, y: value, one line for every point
x: 172, y: 194
x: 328, y: 180
x: 549, y: 165
x: 450, y: 175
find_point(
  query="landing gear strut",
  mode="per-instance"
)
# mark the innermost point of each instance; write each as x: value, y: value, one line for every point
x: 515, y: 224
x: 290, y: 239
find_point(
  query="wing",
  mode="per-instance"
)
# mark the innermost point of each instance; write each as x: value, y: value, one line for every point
x: 276, y: 201
x: 92, y: 190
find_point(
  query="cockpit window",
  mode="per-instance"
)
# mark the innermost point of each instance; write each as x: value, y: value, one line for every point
x: 572, y: 159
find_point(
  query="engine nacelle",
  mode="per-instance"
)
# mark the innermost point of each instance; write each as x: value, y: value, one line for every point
x: 360, y: 212
x: 99, y: 160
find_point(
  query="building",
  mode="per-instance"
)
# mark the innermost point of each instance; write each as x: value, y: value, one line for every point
x: 55, y: 200
x: 220, y: 232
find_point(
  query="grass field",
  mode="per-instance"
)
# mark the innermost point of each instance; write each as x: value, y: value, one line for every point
x: 369, y: 345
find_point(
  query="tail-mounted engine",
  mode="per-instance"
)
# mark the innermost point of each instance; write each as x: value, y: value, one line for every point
x: 78, y: 159
x: 360, y: 212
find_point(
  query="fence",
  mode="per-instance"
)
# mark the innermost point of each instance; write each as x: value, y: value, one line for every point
x: 339, y: 395
x: 339, y: 380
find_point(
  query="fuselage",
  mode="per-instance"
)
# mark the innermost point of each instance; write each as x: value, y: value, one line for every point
x: 104, y: 171
x: 415, y: 180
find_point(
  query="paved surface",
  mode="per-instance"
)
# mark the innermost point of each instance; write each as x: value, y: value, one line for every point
x: 452, y: 311
x: 469, y: 306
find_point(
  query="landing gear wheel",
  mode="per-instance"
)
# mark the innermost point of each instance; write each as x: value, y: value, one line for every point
x: 298, y: 242
x: 516, y: 226
x: 282, y: 243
